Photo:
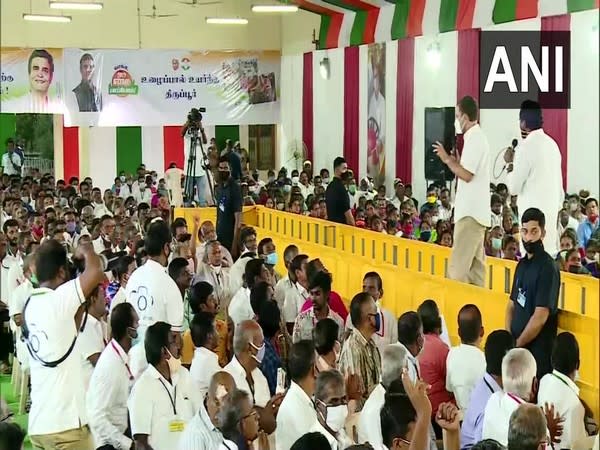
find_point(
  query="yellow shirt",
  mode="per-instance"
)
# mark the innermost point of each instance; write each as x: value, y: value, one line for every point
x: 187, y: 351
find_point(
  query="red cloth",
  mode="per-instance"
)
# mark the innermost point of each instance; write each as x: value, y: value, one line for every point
x: 432, y: 362
x: 335, y: 303
x: 351, y: 106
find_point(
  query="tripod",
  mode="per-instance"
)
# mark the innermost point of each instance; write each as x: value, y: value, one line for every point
x: 190, y: 173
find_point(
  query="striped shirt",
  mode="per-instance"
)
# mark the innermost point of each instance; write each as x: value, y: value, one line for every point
x: 200, y: 433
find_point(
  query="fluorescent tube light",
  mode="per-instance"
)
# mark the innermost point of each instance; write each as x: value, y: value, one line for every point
x: 46, y: 18
x: 274, y: 8
x: 88, y: 6
x: 226, y: 20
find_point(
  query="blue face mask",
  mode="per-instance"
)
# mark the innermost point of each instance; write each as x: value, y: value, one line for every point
x: 271, y: 259
x: 425, y: 235
x: 378, y: 322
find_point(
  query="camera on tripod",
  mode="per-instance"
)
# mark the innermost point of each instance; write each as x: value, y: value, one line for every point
x: 194, y: 118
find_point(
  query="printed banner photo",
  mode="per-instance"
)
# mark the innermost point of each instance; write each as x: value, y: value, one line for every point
x: 376, y: 113
x: 155, y: 87
x: 31, y: 80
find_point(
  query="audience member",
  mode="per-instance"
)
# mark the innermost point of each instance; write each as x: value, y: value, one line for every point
x: 297, y: 413
x: 527, y: 429
x: 467, y: 355
x: 589, y: 226
x: 360, y: 355
x: 269, y: 319
x: 295, y: 297
x: 325, y: 337
x: 205, y: 362
x: 240, y: 308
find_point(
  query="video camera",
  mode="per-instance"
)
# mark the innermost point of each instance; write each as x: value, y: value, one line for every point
x: 195, y: 115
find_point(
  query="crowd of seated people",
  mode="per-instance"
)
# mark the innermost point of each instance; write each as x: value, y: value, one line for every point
x: 141, y: 331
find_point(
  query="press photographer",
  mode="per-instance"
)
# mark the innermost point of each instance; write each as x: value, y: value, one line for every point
x: 197, y: 174
x: 53, y: 317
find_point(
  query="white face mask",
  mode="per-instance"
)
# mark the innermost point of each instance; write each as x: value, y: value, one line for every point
x: 435, y: 219
x: 295, y: 180
x: 336, y: 417
x: 174, y: 363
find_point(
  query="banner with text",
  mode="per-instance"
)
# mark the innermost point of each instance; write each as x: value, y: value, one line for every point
x: 376, y: 113
x: 142, y: 87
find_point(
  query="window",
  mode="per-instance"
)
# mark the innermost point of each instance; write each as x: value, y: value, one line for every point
x: 261, y: 143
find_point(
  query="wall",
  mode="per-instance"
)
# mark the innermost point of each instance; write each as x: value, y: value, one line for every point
x: 296, y: 32
x: 116, y: 26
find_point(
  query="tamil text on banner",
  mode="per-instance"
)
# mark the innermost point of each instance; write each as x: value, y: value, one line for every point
x: 376, y: 113
x: 31, y: 80
x: 159, y: 87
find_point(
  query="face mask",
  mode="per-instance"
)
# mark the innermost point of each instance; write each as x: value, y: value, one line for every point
x: 377, y: 322
x: 575, y: 268
x: 425, y: 235
x: 122, y: 178
x: 261, y: 353
x: 431, y: 199
x: 573, y: 207
x: 496, y: 243
x: 593, y: 217
x: 295, y: 180
x: 287, y: 188
x: 271, y: 179
x: 524, y: 133
x: 280, y: 206
x: 435, y: 219
x: 271, y: 259
x: 174, y: 363
x: 33, y: 279
x: 133, y: 333
x: 63, y: 202
x: 71, y: 227
x: 458, y: 128
x: 336, y: 417
x: 25, y: 199
x: 533, y: 247
x: 325, y: 180
x: 223, y: 175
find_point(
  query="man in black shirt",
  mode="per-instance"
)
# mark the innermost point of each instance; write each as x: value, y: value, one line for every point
x: 336, y: 196
x: 229, y: 207
x: 531, y: 315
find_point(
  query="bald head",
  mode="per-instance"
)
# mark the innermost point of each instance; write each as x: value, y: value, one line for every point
x: 247, y: 332
x: 527, y: 428
x: 221, y: 384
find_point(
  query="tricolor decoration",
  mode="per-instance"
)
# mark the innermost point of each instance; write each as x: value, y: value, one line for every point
x: 356, y: 22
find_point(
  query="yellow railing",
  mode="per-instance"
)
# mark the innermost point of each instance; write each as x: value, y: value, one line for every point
x: 414, y: 271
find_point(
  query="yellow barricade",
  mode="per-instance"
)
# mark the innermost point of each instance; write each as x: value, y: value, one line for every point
x: 413, y: 272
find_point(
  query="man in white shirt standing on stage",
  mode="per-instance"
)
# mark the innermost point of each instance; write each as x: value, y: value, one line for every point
x: 52, y: 319
x: 472, y: 203
x: 534, y: 172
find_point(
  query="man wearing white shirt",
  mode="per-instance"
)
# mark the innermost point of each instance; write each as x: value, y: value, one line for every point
x: 534, y: 172
x: 107, y: 230
x: 164, y: 398
x: 152, y: 292
x: 519, y: 382
x: 52, y: 317
x: 100, y: 208
x: 286, y: 283
x: 295, y: 298
x: 393, y: 361
x: 472, y: 203
x: 205, y: 362
x: 297, y: 412
x: 467, y: 355
x: 240, y: 308
x: 306, y: 188
x: 559, y: 388
x: 445, y: 207
x: 212, y: 271
x: 249, y: 350
x: 111, y: 382
x: 93, y: 338
x: 17, y: 300
x: 11, y: 161
x: 410, y: 336
x: 11, y: 259
x: 201, y: 432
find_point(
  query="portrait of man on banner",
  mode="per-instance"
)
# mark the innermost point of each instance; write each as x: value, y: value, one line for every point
x: 89, y: 97
x: 376, y: 113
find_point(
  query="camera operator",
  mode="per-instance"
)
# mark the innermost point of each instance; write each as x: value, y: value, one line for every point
x: 53, y: 316
x: 197, y: 165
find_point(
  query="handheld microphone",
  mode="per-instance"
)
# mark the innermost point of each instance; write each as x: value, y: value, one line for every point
x: 514, y: 143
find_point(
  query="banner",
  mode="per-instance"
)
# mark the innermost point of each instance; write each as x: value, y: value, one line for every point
x: 376, y: 113
x: 31, y: 80
x: 147, y: 87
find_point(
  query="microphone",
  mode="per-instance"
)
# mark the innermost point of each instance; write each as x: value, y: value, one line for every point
x: 514, y: 143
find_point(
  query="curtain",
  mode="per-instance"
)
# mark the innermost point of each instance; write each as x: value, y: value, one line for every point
x: 307, y: 105
x: 405, y: 91
x: 467, y: 77
x: 351, y: 80
x: 556, y: 120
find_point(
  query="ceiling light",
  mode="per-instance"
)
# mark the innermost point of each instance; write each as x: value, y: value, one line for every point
x: 227, y: 20
x: 274, y: 8
x: 88, y: 6
x: 46, y: 18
